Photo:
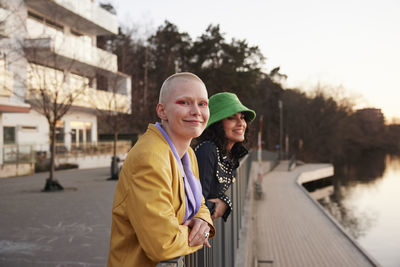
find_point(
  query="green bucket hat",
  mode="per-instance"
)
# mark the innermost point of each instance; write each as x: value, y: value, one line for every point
x: 223, y: 105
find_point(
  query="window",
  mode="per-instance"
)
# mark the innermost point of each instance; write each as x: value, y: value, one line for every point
x: 9, y: 135
x: 73, y: 32
x: 88, y: 135
x: 81, y: 132
x: 48, y: 22
x: 60, y: 135
x: 73, y: 135
x: 54, y: 25
x: 35, y: 16
x: 60, y: 132
x: 102, y: 83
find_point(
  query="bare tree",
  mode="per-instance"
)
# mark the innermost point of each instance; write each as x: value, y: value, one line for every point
x: 111, y: 108
x: 49, y: 94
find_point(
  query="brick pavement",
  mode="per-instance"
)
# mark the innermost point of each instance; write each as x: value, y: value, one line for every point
x: 63, y: 229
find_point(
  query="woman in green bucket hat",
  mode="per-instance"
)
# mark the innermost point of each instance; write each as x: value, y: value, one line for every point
x: 219, y: 149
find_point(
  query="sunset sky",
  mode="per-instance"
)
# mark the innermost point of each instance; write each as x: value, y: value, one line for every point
x: 347, y: 44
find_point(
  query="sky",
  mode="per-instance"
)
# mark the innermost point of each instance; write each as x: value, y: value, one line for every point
x: 346, y: 44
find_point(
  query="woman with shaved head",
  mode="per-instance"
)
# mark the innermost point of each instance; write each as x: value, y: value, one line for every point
x: 159, y: 211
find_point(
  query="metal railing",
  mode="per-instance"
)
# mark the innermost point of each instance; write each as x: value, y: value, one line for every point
x: 27, y: 153
x: 90, y: 148
x: 15, y: 154
x: 226, y: 241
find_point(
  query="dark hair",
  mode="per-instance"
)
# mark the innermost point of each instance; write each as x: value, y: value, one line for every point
x: 216, y: 133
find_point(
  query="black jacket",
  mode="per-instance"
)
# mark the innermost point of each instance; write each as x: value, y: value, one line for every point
x: 217, y: 173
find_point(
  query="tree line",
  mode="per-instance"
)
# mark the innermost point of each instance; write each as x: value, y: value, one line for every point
x: 317, y: 127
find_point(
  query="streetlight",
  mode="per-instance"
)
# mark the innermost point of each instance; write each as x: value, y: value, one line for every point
x: 280, y: 129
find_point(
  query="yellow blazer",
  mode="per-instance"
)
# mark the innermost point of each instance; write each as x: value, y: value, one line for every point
x: 149, y: 206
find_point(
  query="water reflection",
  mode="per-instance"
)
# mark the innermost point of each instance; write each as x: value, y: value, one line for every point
x: 364, y: 198
x: 365, y: 169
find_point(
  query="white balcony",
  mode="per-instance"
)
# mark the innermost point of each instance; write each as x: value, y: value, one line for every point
x: 104, y: 100
x: 83, y: 15
x: 69, y: 52
x: 86, y: 97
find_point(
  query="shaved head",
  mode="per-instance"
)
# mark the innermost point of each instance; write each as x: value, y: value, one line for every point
x: 183, y: 108
x: 169, y: 84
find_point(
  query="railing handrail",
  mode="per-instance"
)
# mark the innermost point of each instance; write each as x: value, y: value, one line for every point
x: 231, y: 236
x: 225, y: 244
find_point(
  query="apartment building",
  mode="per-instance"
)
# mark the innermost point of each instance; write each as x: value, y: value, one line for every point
x: 49, y: 52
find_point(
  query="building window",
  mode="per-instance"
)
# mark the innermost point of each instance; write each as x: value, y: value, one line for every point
x: 60, y: 135
x: 35, y: 16
x: 54, y: 25
x: 60, y: 132
x: 88, y: 135
x: 73, y: 136
x: 48, y: 22
x: 78, y: 34
x: 81, y: 132
x: 9, y: 135
x: 102, y: 83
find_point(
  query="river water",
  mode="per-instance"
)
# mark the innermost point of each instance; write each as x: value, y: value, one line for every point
x: 365, y: 200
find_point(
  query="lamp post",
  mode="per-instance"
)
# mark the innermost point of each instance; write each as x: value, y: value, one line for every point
x: 280, y: 129
x: 260, y: 172
x: 259, y: 141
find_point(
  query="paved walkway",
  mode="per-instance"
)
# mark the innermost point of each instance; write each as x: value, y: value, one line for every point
x: 65, y: 229
x: 293, y: 231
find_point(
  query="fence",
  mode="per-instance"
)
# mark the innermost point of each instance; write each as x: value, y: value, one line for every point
x: 225, y: 244
x: 15, y: 154
x: 88, y: 148
x: 17, y: 160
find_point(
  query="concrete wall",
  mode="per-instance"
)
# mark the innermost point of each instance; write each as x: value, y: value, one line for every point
x: 324, y: 170
x: 9, y: 170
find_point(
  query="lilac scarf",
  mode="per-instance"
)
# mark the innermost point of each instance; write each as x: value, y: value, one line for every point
x: 193, y: 189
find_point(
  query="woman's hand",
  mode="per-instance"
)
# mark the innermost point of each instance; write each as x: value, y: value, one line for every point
x: 220, y: 208
x: 199, y: 231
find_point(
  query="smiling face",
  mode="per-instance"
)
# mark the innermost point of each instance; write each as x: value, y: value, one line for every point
x: 235, y: 128
x: 184, y: 109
